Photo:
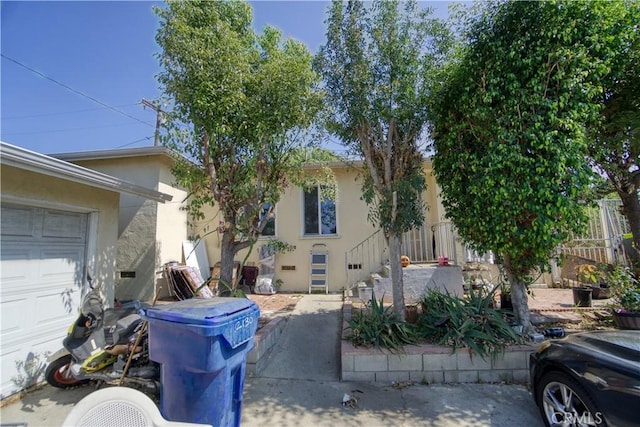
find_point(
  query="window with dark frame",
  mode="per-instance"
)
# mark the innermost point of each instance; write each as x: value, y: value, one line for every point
x: 270, y: 228
x: 319, y: 213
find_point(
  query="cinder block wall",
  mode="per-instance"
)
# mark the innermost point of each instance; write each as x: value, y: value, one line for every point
x: 430, y: 363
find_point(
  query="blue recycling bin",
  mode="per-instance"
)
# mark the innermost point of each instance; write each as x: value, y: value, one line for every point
x: 202, y: 346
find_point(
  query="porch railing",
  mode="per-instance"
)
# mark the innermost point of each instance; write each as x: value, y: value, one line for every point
x: 366, y: 257
x: 421, y: 245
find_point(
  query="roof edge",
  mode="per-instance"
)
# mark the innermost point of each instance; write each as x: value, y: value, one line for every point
x: 112, y: 153
x: 22, y: 158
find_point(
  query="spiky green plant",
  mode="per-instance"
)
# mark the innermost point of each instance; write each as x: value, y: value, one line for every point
x: 379, y: 326
x: 472, y: 322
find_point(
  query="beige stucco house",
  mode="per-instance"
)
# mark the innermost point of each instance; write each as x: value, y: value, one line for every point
x: 59, y: 221
x: 355, y: 247
x: 151, y: 235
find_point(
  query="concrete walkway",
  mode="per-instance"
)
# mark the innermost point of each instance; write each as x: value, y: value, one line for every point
x: 309, y: 347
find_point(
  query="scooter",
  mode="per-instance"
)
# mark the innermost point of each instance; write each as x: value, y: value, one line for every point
x: 109, y: 346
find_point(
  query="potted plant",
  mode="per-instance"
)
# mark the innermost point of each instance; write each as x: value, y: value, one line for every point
x: 625, y: 293
x: 586, y: 275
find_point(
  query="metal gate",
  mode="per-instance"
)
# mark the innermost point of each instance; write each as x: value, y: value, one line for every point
x: 602, y: 239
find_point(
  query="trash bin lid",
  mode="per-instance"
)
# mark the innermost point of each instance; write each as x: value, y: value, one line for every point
x: 201, y: 311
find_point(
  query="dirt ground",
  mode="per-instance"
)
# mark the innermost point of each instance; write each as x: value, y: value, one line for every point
x: 549, y: 299
x: 274, y: 305
x: 555, y: 304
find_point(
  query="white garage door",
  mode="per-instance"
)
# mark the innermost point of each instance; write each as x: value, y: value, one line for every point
x: 42, y: 262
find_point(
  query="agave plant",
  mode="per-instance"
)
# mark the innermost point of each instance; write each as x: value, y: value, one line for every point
x: 472, y: 322
x: 379, y: 326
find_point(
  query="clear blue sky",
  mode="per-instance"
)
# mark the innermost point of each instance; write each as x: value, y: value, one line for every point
x: 104, y: 51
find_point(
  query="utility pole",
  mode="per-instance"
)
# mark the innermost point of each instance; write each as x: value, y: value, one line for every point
x: 158, y: 120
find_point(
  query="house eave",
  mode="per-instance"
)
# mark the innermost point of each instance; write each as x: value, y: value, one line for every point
x: 76, y: 156
x: 21, y: 158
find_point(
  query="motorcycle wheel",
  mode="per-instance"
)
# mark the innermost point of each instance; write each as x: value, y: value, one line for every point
x: 58, y: 373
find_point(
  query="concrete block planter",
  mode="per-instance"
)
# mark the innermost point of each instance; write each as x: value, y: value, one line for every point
x: 431, y: 364
x: 264, y: 341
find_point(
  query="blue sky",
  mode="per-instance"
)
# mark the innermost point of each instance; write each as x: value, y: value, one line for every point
x: 90, y: 63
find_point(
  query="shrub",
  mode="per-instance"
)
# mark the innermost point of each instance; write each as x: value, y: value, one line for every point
x: 472, y: 322
x: 379, y: 326
x: 625, y: 289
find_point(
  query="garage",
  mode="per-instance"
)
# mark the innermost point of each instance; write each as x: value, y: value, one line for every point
x: 41, y: 267
x: 58, y: 220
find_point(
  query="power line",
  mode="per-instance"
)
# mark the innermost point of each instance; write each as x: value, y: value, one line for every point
x: 74, y: 90
x: 148, y: 138
x: 65, y: 130
x: 64, y: 112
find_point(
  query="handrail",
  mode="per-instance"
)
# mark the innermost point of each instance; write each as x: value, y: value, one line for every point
x: 422, y: 245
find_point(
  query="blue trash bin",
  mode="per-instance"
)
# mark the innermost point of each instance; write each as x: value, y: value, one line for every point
x: 202, y: 346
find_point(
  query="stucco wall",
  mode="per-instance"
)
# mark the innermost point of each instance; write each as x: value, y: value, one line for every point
x: 150, y: 233
x: 31, y: 188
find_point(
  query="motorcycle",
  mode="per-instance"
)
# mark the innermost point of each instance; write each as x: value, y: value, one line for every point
x: 102, y: 345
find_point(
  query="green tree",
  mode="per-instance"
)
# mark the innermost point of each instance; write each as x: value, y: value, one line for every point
x: 240, y: 102
x: 375, y: 66
x: 614, y: 147
x: 508, y: 124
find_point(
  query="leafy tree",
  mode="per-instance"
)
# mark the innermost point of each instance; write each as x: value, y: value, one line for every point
x: 375, y: 66
x: 508, y: 120
x: 614, y: 147
x: 240, y: 102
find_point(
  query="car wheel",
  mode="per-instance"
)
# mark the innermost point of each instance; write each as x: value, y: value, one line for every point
x: 563, y: 402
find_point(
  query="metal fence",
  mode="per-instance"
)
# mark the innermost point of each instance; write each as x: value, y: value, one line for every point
x: 602, y: 239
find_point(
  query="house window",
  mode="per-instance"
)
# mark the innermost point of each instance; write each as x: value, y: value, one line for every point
x: 319, y: 213
x: 270, y: 228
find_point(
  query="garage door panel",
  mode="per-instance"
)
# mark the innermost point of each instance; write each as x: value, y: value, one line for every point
x: 17, y: 221
x: 54, y: 331
x: 10, y: 354
x: 64, y: 225
x: 14, y: 317
x: 35, y: 356
x: 61, y: 265
x: 18, y: 266
x: 54, y: 306
x: 41, y: 275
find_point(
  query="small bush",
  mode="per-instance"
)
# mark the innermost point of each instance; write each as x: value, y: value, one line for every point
x: 625, y: 289
x: 379, y: 326
x: 472, y: 322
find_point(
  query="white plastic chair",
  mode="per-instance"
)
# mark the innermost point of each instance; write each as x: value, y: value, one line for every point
x: 119, y: 406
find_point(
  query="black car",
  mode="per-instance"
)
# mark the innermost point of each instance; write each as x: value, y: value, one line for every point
x: 588, y: 378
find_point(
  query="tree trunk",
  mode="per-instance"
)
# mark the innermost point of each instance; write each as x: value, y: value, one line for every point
x: 395, y: 249
x: 519, y: 299
x: 227, y: 254
x: 631, y: 208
